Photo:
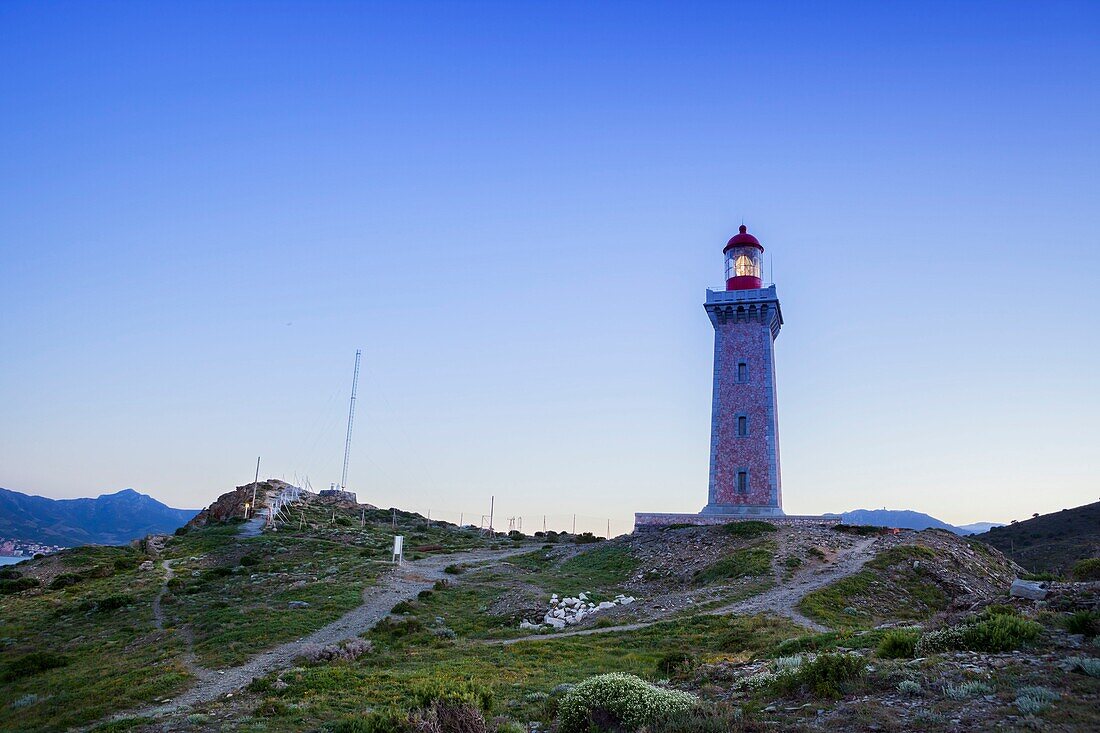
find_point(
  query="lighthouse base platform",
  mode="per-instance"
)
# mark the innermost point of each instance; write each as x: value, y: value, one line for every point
x: 646, y: 521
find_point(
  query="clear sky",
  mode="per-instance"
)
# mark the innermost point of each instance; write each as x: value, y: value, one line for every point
x: 514, y: 210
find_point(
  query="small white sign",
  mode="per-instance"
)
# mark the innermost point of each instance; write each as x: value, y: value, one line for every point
x: 398, y: 548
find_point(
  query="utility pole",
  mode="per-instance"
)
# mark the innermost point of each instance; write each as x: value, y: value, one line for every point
x: 254, y: 482
x: 351, y: 418
x: 608, y: 529
x: 492, y: 506
x: 574, y: 524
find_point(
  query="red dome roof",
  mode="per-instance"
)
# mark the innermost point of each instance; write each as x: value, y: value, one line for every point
x: 743, y: 239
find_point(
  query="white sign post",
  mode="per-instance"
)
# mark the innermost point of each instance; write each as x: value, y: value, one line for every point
x: 398, y: 549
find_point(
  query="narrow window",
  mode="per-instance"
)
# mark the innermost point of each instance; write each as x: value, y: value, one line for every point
x: 742, y: 372
x: 742, y: 482
x: 742, y: 426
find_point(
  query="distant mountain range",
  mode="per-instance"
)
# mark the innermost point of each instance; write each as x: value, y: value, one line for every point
x: 111, y: 519
x: 908, y: 519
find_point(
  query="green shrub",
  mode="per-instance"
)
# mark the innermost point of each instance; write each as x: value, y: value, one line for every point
x: 424, y: 594
x: 18, y: 585
x: 618, y: 701
x: 586, y: 538
x: 10, y: 574
x: 1087, y: 569
x: 828, y: 675
x: 793, y: 562
x: 749, y: 529
x: 65, y: 580
x: 125, y: 563
x: 454, y: 569
x: 440, y: 585
x: 1000, y: 634
x: 860, y: 530
x: 110, y: 603
x: 898, y: 644
x: 402, y: 607
x: 250, y: 560
x: 710, y: 719
x: 1083, y: 622
x: 673, y: 662
x: 385, y: 721
x: 1039, y: 576
x: 31, y: 664
x: 450, y: 693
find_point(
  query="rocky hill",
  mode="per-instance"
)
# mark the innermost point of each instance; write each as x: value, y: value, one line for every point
x: 1050, y: 543
x: 109, y: 519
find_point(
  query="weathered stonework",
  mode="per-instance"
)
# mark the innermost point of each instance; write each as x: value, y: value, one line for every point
x: 656, y: 520
x: 744, y: 415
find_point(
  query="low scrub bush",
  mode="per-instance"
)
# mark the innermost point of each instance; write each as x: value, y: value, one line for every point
x: 384, y: 721
x: 749, y: 529
x: 454, y: 569
x: 1034, y: 700
x: 31, y: 664
x: 898, y: 644
x: 65, y: 580
x: 10, y: 574
x: 1000, y: 634
x: 673, y: 662
x: 586, y: 538
x: 827, y: 675
x: 618, y: 701
x: 402, y: 607
x: 709, y: 719
x: 1083, y: 622
x: 996, y: 633
x: 450, y: 693
x: 250, y: 560
x: 1086, y: 665
x: 909, y: 687
x: 113, y: 602
x: 860, y: 530
x: 1087, y: 569
x: 18, y: 585
x: 449, y: 718
x: 348, y: 650
x: 966, y: 690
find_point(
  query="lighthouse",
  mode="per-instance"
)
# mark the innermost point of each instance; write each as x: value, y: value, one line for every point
x: 744, y: 442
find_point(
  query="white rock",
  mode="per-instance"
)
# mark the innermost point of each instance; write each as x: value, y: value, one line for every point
x: 627, y: 600
x: 604, y: 605
x: 1027, y: 589
x: 582, y: 597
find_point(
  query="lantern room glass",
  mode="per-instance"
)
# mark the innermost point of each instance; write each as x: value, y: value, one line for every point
x: 743, y: 262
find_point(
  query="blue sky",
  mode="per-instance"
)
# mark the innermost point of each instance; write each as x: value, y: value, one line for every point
x: 514, y: 209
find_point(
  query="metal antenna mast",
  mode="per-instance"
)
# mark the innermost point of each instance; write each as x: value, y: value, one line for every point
x: 351, y: 419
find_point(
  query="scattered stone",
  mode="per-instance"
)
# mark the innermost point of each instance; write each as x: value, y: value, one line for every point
x: 297, y: 604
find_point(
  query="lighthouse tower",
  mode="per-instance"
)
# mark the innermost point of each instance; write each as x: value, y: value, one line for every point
x: 744, y: 443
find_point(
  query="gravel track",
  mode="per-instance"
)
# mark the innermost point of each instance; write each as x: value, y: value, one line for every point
x: 401, y: 584
x: 783, y: 599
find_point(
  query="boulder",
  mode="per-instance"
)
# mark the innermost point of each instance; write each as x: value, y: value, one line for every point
x: 1029, y: 589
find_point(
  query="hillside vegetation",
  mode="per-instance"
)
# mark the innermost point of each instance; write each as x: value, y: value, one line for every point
x: 1050, y: 543
x: 914, y: 631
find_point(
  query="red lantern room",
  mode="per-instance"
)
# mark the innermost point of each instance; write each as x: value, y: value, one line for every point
x: 744, y: 255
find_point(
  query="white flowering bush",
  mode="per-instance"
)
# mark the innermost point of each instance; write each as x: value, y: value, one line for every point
x: 618, y: 700
x: 941, y: 640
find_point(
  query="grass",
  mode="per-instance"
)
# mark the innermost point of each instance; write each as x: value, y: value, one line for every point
x: 516, y: 673
x: 99, y: 617
x: 899, y: 591
x: 600, y: 570
x: 746, y: 562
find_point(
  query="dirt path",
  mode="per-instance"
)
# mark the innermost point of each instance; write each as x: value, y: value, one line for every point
x: 402, y: 584
x: 158, y: 612
x: 782, y: 600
